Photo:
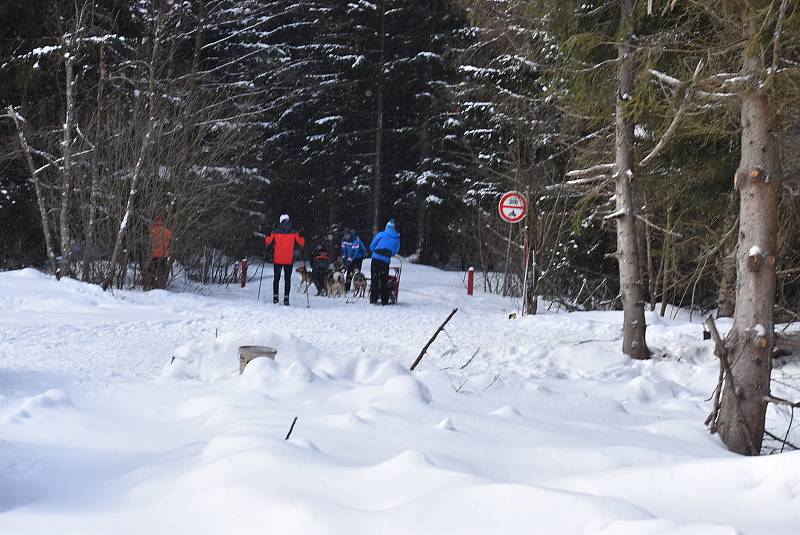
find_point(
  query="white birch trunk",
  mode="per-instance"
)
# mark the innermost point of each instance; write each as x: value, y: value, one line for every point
x: 37, y: 187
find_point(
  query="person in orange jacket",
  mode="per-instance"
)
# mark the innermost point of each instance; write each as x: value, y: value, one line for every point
x: 284, y: 238
x: 160, y: 241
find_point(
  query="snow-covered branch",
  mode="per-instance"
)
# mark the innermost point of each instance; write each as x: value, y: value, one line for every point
x: 673, y: 127
x: 676, y: 83
x: 604, y: 168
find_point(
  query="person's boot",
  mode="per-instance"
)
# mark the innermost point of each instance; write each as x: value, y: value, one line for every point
x: 286, y: 300
x: 275, y: 299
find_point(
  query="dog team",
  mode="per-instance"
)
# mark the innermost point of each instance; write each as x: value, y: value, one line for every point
x: 334, y: 277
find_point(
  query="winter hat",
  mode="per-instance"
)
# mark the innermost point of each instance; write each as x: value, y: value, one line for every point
x: 284, y: 217
x: 390, y: 225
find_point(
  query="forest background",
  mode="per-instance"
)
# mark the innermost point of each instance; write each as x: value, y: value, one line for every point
x: 223, y: 114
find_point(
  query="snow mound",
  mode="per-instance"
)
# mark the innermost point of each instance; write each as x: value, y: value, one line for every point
x: 507, y: 411
x: 446, y: 425
x: 47, y: 404
x: 211, y: 361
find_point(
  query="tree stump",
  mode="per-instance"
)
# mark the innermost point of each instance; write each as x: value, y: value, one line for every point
x: 248, y: 353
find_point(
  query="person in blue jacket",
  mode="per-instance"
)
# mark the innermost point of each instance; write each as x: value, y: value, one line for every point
x: 353, y: 253
x: 384, y: 246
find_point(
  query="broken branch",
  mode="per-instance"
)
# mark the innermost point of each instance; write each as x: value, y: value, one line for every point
x: 291, y: 428
x: 653, y: 225
x: 425, y: 349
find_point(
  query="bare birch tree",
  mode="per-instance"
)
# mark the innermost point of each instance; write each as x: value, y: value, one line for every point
x: 27, y: 151
x: 143, y: 151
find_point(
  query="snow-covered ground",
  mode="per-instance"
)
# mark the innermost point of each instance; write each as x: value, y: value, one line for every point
x: 548, y: 429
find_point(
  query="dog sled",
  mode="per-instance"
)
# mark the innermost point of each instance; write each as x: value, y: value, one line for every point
x: 395, y: 271
x: 394, y: 280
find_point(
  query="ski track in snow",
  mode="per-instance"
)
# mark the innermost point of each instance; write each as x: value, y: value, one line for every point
x: 549, y: 429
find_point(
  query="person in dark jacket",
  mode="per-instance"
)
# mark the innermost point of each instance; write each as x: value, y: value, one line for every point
x: 284, y: 238
x: 384, y: 246
x: 353, y: 253
x: 320, y: 265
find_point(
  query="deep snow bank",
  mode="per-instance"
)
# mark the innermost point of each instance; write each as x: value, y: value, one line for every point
x: 547, y: 430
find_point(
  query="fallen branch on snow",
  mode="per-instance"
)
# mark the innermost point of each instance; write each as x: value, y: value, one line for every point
x: 425, y: 349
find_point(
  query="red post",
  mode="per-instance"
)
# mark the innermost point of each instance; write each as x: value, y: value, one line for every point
x: 471, y: 281
x: 244, y: 272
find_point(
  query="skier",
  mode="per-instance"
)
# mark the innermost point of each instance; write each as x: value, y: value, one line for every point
x: 384, y: 246
x: 284, y: 238
x: 158, y: 269
x: 320, y: 264
x: 353, y: 253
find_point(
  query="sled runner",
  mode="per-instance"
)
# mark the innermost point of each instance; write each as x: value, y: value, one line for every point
x: 394, y: 280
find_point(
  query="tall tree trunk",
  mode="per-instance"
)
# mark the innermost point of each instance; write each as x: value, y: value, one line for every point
x: 631, y: 289
x: 750, y: 341
x: 89, y: 249
x: 726, y: 265
x: 66, y: 155
x: 377, y: 186
x: 37, y: 188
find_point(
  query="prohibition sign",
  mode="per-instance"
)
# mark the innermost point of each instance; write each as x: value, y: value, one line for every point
x: 513, y: 207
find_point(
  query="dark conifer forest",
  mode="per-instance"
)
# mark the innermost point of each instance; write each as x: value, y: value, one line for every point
x: 224, y: 114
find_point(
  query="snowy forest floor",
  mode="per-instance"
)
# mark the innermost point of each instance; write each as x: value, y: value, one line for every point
x: 549, y: 429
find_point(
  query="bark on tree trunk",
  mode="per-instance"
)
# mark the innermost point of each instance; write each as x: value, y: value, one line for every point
x: 631, y: 290
x: 750, y: 341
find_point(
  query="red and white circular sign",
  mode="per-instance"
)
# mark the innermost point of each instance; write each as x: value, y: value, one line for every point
x: 513, y: 207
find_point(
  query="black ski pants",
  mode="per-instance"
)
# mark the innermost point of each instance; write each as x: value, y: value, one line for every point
x: 379, y: 283
x: 287, y: 284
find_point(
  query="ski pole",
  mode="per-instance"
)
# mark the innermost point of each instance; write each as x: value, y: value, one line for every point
x: 261, y: 278
x: 308, y: 300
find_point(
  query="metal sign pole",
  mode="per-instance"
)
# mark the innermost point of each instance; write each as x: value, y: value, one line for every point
x: 512, y: 208
x: 508, y: 255
x: 526, y: 254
